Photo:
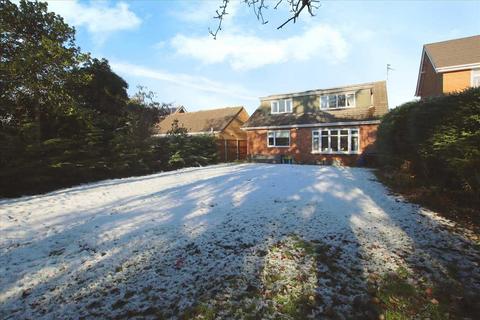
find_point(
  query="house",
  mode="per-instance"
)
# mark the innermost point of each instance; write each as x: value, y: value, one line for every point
x: 177, y: 109
x: 225, y: 124
x: 336, y: 125
x: 449, y: 66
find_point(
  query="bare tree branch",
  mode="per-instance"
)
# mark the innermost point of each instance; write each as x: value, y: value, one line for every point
x: 258, y: 6
x: 297, y: 7
x: 221, y: 12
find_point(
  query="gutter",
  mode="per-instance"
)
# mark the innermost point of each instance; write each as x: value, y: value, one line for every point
x: 313, y: 125
x: 458, y: 67
x: 161, y: 135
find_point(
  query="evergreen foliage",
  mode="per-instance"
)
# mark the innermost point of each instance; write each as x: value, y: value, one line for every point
x: 66, y: 118
x: 437, y: 140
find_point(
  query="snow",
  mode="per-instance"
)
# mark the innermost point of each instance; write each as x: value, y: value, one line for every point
x: 160, y: 243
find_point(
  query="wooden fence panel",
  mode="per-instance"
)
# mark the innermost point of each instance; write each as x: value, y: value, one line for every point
x: 231, y: 150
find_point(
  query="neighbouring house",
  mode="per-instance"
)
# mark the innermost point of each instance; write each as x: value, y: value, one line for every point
x: 449, y: 66
x: 177, y: 109
x: 323, y: 126
x: 225, y: 124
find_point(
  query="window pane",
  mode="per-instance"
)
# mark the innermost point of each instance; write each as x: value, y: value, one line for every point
x: 282, y: 134
x: 350, y: 100
x: 354, y: 144
x: 333, y: 132
x: 282, y: 141
x: 344, y: 143
x: 324, y: 144
x: 281, y: 106
x: 271, y: 141
x: 354, y: 131
x: 332, y: 102
x: 344, y: 132
x: 476, y: 78
x: 334, y: 143
x: 288, y: 104
x: 316, y: 143
x: 324, y: 102
x: 324, y: 132
x: 341, y: 100
x: 274, y: 106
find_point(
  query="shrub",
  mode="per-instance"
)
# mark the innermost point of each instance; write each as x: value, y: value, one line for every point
x: 439, y: 139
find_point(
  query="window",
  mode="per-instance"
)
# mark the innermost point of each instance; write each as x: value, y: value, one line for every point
x: 342, y: 140
x: 281, y: 106
x: 279, y: 138
x: 337, y: 101
x: 323, y: 102
x: 476, y: 78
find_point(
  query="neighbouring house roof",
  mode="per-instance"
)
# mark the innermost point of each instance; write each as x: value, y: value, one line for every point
x: 450, y: 55
x: 262, y: 117
x: 457, y: 53
x: 214, y: 120
x: 177, y: 109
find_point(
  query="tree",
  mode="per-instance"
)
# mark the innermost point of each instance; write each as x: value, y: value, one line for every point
x: 37, y: 57
x: 259, y: 6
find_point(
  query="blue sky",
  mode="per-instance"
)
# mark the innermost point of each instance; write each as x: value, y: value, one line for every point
x: 165, y: 46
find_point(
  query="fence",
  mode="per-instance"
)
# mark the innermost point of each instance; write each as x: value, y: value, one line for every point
x: 231, y: 150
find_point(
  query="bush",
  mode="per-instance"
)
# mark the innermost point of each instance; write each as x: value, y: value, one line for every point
x: 178, y: 150
x: 436, y: 140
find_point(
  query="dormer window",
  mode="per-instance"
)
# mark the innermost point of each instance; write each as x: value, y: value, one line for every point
x: 282, y: 106
x: 337, y: 101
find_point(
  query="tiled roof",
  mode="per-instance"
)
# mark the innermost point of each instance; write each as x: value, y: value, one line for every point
x: 199, y: 121
x: 454, y: 52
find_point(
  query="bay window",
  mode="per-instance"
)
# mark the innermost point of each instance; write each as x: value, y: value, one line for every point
x: 281, y: 106
x: 278, y: 138
x: 341, y: 140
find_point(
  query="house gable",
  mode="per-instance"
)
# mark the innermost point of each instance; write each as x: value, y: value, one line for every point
x: 447, y: 66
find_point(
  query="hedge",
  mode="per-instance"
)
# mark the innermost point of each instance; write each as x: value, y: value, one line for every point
x: 437, y: 139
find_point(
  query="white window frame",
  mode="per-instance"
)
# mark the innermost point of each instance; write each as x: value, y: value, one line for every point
x: 278, y: 106
x: 319, y: 133
x: 337, y: 107
x: 275, y: 139
x: 475, y: 73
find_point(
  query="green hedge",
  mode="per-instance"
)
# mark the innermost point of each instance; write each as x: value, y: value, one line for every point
x: 437, y: 140
x: 55, y: 165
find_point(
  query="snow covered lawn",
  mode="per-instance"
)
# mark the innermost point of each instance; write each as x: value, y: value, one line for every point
x: 165, y: 244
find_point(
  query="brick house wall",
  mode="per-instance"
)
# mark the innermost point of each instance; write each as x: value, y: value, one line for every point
x: 301, y: 146
x: 432, y: 82
x: 456, y: 81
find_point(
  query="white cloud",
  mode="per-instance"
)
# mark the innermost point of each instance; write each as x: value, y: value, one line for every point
x: 98, y: 17
x: 244, y: 52
x: 184, y: 80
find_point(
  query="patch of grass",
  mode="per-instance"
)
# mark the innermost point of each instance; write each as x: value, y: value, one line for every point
x: 286, y: 288
x: 399, y: 298
x: 307, y: 247
x: 200, y: 311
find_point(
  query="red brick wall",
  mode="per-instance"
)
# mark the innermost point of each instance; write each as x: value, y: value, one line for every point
x: 301, y: 145
x: 431, y: 84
